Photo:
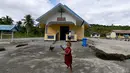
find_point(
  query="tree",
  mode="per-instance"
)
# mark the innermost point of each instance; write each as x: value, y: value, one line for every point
x: 6, y: 20
x: 19, y: 25
x: 28, y: 21
x: 1, y: 21
x: 104, y: 29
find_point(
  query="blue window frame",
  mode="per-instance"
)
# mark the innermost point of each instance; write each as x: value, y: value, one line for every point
x: 50, y: 37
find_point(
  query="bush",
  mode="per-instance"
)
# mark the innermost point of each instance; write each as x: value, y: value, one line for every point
x: 35, y: 32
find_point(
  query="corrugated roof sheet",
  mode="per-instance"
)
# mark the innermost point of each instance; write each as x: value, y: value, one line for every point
x: 7, y: 27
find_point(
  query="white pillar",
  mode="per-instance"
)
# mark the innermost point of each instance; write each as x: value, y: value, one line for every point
x: 46, y: 28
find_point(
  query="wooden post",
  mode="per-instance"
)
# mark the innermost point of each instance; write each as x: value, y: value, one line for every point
x: 12, y: 36
x: 1, y: 35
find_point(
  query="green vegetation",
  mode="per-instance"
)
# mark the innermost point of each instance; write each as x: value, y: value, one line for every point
x: 6, y: 20
x: 28, y: 21
x: 36, y: 32
x: 25, y: 27
x: 104, y: 29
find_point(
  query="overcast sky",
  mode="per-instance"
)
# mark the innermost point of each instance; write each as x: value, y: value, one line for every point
x: 105, y: 12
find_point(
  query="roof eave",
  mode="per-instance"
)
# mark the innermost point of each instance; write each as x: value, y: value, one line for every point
x: 68, y: 9
x: 71, y: 11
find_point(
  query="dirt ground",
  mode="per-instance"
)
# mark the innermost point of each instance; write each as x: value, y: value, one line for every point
x: 36, y: 58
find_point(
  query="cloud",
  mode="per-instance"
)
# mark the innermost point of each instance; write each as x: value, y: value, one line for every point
x: 101, y: 11
x: 17, y: 9
x: 93, y: 11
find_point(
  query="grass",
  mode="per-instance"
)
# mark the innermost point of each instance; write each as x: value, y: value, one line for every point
x: 24, y: 35
x: 6, y: 36
x: 20, y: 35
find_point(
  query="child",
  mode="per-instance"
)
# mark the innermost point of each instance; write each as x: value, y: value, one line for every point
x: 68, y: 56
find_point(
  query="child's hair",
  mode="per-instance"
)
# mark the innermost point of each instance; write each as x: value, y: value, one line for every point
x: 69, y: 43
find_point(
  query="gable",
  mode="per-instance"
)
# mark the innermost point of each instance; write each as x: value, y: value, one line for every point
x: 67, y: 17
x: 53, y: 11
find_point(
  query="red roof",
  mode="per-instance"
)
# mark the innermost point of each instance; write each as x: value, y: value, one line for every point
x: 122, y: 31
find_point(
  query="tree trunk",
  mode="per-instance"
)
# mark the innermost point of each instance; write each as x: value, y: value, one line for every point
x: 27, y: 31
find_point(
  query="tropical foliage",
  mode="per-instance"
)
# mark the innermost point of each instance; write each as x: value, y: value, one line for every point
x: 104, y: 29
x: 6, y: 20
x: 25, y: 27
x: 28, y: 21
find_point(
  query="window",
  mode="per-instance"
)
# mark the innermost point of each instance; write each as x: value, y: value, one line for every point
x: 50, y: 37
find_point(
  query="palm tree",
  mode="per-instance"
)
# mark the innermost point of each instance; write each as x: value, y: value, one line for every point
x: 1, y: 21
x: 28, y: 21
x: 19, y: 24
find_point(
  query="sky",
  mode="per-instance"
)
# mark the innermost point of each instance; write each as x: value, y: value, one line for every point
x: 106, y: 12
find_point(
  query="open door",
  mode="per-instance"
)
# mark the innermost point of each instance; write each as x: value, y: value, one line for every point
x: 63, y: 31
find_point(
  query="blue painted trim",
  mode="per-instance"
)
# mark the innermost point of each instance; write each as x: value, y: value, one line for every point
x: 7, y: 27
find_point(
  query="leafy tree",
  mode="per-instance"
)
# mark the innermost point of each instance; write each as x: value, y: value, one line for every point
x: 6, y: 20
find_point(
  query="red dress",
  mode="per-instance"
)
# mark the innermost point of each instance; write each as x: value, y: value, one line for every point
x: 68, y: 56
